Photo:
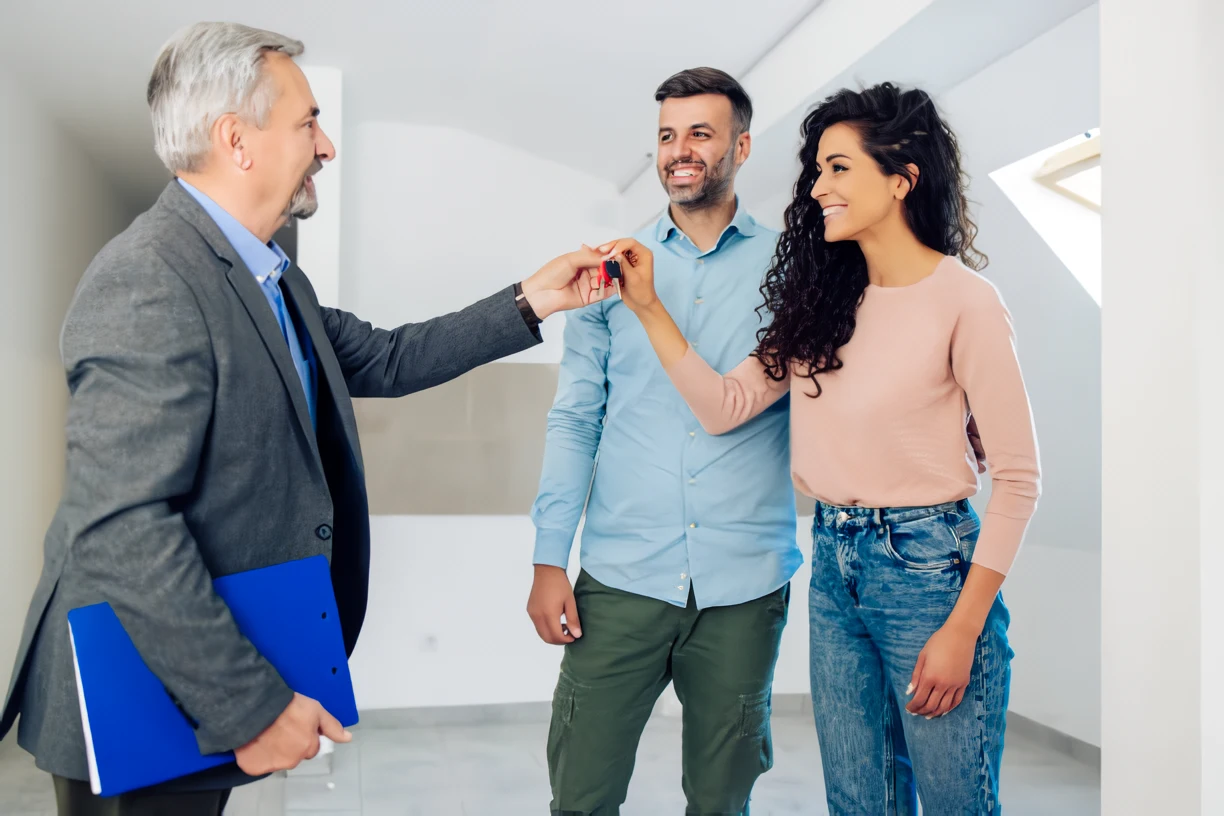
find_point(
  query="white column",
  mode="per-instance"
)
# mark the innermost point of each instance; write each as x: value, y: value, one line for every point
x: 1162, y: 405
x: 1209, y: 326
x: 319, y: 236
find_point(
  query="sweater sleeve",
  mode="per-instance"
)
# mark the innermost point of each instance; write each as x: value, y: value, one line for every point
x: 723, y: 403
x: 986, y: 367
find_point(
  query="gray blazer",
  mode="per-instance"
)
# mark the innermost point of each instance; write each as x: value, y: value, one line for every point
x: 191, y: 456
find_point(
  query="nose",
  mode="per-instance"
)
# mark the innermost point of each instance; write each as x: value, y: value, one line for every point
x: 324, y: 149
x: 820, y: 187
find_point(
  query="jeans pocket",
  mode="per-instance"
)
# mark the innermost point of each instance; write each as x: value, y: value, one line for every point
x: 926, y: 544
x: 965, y: 526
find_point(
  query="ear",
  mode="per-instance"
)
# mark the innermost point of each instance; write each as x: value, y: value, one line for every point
x: 905, y: 186
x: 743, y: 147
x: 228, y: 133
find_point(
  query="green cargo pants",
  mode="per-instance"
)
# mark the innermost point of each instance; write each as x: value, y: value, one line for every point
x: 721, y: 660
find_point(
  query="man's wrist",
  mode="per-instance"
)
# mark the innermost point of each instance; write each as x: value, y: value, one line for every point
x: 528, y: 309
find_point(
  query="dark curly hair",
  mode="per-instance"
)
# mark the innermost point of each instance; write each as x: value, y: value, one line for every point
x: 813, y: 288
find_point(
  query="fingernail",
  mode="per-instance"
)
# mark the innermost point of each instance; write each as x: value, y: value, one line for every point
x: 348, y: 734
x: 909, y: 689
x: 929, y: 717
x: 577, y: 633
x: 911, y: 713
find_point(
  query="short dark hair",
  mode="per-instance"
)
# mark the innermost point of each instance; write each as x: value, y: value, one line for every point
x: 698, y: 81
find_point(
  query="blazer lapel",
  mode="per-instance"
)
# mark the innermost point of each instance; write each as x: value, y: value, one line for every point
x: 179, y: 201
x: 260, y: 311
x: 325, y: 356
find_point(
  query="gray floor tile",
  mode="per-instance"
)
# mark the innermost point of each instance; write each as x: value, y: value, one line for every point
x: 498, y: 769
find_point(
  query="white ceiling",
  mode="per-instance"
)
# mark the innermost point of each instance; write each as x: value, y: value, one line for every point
x: 570, y: 81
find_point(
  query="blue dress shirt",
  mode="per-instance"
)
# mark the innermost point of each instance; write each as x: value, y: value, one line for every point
x: 670, y: 507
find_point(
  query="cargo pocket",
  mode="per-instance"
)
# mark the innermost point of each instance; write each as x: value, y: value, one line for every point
x: 563, y: 703
x: 755, y: 712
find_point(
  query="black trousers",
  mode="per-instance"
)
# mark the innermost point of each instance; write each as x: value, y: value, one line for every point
x: 74, y: 798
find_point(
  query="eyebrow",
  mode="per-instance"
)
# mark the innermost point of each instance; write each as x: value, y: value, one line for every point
x: 314, y: 114
x: 833, y: 156
x: 698, y: 126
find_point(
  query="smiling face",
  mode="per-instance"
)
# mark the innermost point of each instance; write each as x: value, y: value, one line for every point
x: 854, y: 193
x: 699, y: 150
x: 291, y: 147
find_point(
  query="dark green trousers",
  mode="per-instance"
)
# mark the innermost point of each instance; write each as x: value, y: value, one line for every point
x: 721, y: 661
x: 74, y: 798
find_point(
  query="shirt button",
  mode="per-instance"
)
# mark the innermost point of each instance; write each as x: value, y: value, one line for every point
x: 699, y: 301
x: 692, y: 481
x: 692, y: 433
x: 323, y: 531
x: 701, y: 261
x: 682, y: 576
x: 680, y: 587
x: 694, y: 524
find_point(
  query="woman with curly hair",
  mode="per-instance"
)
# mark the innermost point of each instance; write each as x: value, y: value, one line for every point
x: 891, y: 346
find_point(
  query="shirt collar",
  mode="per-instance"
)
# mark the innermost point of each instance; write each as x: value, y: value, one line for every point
x: 743, y: 223
x: 267, y: 262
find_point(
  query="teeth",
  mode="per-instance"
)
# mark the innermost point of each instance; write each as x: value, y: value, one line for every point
x: 827, y: 211
x: 683, y: 173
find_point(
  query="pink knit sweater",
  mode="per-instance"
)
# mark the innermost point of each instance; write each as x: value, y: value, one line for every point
x: 889, y: 428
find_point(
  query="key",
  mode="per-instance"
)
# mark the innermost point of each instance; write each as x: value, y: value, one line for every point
x: 610, y: 271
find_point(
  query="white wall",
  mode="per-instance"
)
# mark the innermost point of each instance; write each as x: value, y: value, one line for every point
x: 55, y: 214
x: 435, y: 218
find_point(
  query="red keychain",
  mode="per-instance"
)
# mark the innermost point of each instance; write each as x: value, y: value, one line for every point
x: 610, y: 275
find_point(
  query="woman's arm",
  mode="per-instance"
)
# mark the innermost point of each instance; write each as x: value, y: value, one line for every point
x: 985, y: 365
x: 720, y: 403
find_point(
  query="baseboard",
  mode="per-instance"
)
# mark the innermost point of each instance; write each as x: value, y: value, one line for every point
x: 534, y: 712
x: 1055, y: 740
x: 423, y: 717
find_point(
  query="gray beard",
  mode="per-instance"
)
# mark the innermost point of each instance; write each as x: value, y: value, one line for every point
x: 303, y: 204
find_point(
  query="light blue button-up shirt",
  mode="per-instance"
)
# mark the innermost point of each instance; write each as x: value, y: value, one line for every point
x: 670, y: 507
x: 267, y: 262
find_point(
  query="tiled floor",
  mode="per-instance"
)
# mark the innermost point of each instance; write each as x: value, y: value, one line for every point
x: 498, y: 770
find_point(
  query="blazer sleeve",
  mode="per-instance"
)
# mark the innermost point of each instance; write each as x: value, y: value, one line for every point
x: 416, y: 356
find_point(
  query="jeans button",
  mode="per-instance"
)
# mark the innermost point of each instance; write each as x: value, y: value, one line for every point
x: 323, y: 531
x: 842, y: 518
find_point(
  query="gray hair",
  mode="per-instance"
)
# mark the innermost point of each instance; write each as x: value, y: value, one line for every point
x: 203, y: 73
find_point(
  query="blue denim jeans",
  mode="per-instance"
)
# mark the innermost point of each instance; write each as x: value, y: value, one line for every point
x: 883, y: 582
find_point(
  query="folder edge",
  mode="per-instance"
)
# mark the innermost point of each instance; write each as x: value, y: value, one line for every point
x: 95, y: 780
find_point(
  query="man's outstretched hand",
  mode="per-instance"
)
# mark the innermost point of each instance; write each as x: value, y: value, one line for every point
x: 568, y: 282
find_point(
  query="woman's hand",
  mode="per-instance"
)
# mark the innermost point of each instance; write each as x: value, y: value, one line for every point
x: 942, y: 672
x: 637, y: 269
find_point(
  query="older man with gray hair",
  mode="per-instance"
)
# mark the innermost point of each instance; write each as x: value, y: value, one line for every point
x: 210, y: 425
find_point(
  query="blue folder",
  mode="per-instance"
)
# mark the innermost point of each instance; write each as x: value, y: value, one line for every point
x: 135, y: 734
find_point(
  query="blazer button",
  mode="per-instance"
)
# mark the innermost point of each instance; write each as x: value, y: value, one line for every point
x: 323, y: 531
